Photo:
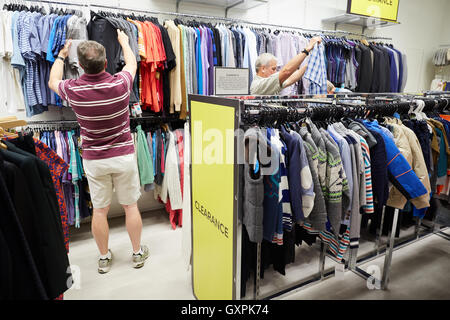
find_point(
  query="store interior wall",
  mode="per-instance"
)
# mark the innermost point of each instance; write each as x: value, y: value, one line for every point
x: 423, y: 27
x: 444, y: 72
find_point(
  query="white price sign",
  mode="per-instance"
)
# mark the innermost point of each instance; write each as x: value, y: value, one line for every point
x: 231, y: 81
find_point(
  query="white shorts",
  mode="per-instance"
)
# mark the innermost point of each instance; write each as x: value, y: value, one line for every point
x: 119, y: 173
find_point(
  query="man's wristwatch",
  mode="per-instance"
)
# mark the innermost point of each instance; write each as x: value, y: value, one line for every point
x: 61, y: 58
x: 305, y: 51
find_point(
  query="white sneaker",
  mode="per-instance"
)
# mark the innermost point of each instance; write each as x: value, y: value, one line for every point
x: 139, y: 259
x: 104, y: 265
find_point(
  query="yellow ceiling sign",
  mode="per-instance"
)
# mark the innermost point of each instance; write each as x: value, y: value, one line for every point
x: 382, y: 9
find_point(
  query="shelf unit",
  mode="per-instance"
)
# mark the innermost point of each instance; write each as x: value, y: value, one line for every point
x: 225, y: 4
x: 357, y: 20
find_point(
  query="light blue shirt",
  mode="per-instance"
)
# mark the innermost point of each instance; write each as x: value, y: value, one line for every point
x: 198, y: 55
x: 17, y: 59
x: 51, y: 40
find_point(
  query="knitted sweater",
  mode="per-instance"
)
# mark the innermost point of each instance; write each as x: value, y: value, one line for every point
x: 318, y: 216
x: 346, y: 159
x: 336, y: 186
x: 322, y: 153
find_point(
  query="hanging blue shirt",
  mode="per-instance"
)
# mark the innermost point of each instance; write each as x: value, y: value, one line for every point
x: 51, y: 40
x: 198, y: 56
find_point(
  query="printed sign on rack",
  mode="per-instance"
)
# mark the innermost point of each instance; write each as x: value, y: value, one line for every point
x: 231, y: 81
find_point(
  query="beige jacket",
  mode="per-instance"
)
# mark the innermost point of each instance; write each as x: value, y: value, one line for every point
x: 176, y: 98
x: 406, y: 140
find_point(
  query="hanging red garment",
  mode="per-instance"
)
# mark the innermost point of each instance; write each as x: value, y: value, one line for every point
x: 176, y: 216
x: 57, y: 168
x: 180, y: 145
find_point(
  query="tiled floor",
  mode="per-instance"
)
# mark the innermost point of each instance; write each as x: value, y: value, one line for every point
x: 419, y: 271
x: 164, y: 275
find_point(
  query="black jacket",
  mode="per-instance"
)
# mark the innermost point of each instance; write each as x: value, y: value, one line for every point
x: 50, y: 254
x: 365, y: 70
x: 17, y: 264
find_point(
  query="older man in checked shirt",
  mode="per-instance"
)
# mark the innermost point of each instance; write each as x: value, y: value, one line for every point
x: 270, y: 82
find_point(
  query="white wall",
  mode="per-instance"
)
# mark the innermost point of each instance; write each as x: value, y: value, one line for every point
x: 444, y: 72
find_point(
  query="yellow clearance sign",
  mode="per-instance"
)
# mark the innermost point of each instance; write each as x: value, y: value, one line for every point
x: 383, y: 9
x: 213, y: 212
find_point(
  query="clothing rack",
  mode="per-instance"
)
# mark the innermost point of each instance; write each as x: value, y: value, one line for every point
x: 136, y: 121
x: 253, y: 109
x: 9, y: 123
x: 229, y: 20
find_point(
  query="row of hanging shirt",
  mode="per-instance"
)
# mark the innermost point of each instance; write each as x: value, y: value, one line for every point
x: 177, y: 58
x: 32, y: 41
x: 358, y: 66
x: 160, y: 155
x: 441, y: 57
x: 153, y: 49
x: 66, y: 144
x: 160, y: 158
x: 328, y: 175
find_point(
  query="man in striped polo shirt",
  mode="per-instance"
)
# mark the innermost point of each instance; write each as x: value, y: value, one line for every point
x: 101, y: 104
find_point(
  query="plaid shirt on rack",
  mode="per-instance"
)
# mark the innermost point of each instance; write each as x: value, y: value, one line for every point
x: 316, y: 72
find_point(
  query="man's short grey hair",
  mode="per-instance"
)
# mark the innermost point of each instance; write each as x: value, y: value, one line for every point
x: 263, y: 60
x: 91, y: 56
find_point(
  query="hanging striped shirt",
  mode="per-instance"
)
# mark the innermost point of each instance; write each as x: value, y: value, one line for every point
x: 369, y: 206
x: 100, y: 102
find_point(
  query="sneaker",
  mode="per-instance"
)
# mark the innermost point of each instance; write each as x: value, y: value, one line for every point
x: 139, y: 259
x: 104, y: 265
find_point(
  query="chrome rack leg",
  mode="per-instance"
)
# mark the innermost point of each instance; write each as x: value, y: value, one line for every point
x: 389, y: 251
x: 323, y: 251
x: 256, y: 291
x: 417, y: 229
x: 353, y: 258
x: 380, y: 232
x: 436, y: 227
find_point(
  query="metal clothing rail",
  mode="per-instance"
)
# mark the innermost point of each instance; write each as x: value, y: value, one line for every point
x: 230, y: 20
x: 353, y: 262
x: 145, y: 118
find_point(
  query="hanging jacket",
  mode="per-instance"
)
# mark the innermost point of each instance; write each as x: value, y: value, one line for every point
x: 337, y: 192
x: 171, y: 183
x: 409, y: 145
x: 253, y: 196
x: 318, y: 216
x: 400, y: 172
